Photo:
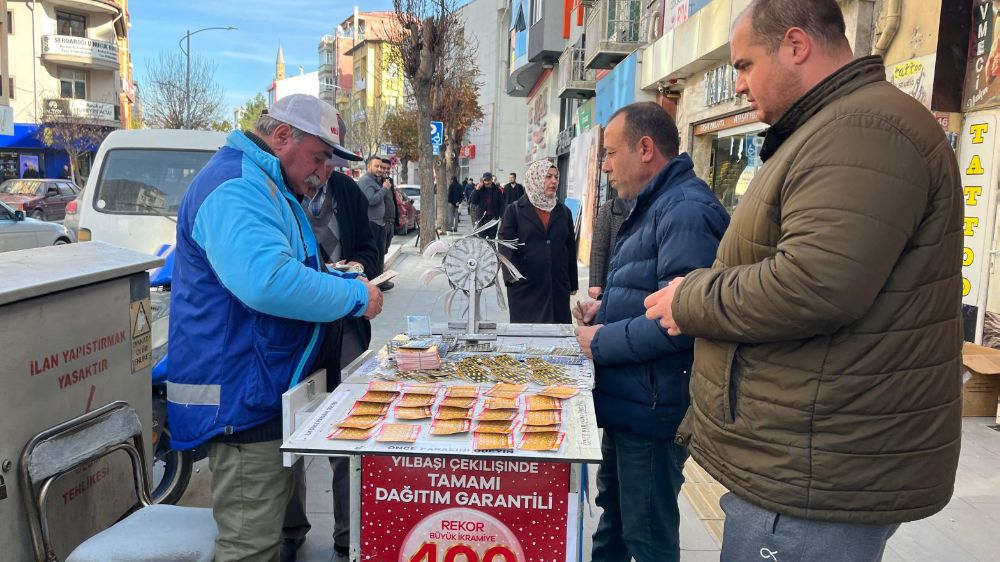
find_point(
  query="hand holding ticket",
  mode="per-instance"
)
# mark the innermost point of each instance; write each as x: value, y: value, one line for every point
x: 386, y: 276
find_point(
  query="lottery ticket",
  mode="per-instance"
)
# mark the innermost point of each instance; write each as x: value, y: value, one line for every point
x: 495, y: 427
x: 369, y: 409
x: 398, y: 433
x: 549, y: 441
x: 450, y: 427
x: 378, y: 397
x: 535, y: 402
x: 385, y: 386
x: 360, y: 422
x: 496, y: 415
x: 500, y: 403
x: 458, y: 402
x: 560, y: 391
x: 416, y: 400
x: 351, y: 433
x: 545, y: 417
x: 492, y: 441
x: 446, y: 413
x: 420, y: 413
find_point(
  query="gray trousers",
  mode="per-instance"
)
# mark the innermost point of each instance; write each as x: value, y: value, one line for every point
x: 755, y: 534
x: 249, y: 489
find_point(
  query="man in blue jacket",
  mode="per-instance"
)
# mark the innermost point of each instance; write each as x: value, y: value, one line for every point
x: 247, y: 313
x: 641, y: 392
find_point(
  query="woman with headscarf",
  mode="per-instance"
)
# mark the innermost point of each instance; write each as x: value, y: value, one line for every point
x: 546, y: 255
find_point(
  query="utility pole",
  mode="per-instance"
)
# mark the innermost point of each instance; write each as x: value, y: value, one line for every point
x: 187, y: 68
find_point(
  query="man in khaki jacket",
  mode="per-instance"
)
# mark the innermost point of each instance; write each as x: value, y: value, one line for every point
x: 826, y: 386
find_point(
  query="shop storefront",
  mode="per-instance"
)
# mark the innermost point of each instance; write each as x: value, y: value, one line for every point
x: 23, y: 151
x: 732, y: 146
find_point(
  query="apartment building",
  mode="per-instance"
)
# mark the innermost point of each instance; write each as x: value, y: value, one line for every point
x: 72, y: 58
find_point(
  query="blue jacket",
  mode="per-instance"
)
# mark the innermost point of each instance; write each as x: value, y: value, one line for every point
x: 248, y: 297
x: 642, y: 373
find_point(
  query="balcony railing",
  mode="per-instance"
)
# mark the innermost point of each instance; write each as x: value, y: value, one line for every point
x: 575, y: 79
x: 80, y: 51
x: 613, y: 32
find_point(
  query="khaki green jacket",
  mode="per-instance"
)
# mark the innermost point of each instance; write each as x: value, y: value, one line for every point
x: 827, y: 373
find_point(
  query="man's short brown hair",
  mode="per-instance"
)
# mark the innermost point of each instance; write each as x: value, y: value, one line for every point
x: 771, y: 19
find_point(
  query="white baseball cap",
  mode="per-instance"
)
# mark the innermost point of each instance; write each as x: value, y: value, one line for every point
x: 313, y: 116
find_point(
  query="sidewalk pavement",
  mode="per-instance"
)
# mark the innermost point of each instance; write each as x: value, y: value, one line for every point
x: 968, y: 529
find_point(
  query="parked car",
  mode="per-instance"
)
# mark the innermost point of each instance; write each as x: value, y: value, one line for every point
x: 413, y: 192
x: 406, y: 220
x: 40, y: 199
x: 136, y: 185
x: 20, y: 233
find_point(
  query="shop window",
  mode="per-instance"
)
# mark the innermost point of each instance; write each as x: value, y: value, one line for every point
x: 72, y: 83
x: 734, y: 163
x: 71, y: 24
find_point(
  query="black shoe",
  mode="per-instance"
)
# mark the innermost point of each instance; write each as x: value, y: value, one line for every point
x: 386, y: 286
x: 289, y: 549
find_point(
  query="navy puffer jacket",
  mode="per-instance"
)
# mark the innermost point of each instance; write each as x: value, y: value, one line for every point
x: 642, y: 373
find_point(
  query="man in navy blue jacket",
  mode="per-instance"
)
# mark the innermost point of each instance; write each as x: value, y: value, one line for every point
x: 641, y: 392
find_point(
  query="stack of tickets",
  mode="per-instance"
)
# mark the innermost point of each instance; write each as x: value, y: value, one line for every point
x: 418, y: 359
x: 495, y: 423
x: 542, y: 423
x: 367, y: 412
x: 416, y: 402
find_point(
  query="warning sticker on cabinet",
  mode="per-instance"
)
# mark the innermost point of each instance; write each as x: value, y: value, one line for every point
x: 142, y: 339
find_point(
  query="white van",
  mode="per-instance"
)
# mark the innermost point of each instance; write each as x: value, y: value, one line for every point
x: 136, y: 185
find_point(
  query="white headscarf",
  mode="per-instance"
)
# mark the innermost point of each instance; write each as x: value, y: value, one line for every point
x: 534, y: 184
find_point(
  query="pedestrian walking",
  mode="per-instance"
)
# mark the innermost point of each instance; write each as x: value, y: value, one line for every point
x: 641, y: 389
x: 455, y: 195
x: 371, y: 186
x: 488, y: 200
x: 610, y: 217
x: 546, y: 254
x: 827, y: 384
x: 391, y: 216
x: 512, y: 191
x: 248, y: 310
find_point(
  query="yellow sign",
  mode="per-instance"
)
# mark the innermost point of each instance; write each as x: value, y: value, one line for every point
x: 142, y: 338
x: 976, y: 150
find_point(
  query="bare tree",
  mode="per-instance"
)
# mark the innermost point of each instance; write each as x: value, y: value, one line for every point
x: 366, y: 128
x: 424, y: 29
x: 457, y: 105
x: 74, y: 135
x: 169, y: 106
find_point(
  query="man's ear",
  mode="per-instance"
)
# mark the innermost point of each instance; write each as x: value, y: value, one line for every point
x: 798, y: 44
x: 281, y: 136
x: 646, y: 149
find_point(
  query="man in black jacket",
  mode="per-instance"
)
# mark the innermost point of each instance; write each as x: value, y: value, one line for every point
x: 338, y: 215
x: 455, y: 195
x: 512, y: 191
x: 489, y: 200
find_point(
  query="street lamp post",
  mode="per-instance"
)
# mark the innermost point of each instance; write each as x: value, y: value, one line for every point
x: 187, y: 68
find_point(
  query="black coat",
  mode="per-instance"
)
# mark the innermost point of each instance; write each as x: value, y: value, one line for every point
x: 357, y: 244
x: 455, y: 193
x: 512, y: 192
x: 547, y: 260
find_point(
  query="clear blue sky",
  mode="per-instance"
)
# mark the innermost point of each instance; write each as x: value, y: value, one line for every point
x: 244, y: 58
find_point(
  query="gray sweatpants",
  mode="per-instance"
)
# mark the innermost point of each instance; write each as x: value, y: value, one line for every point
x: 755, y: 534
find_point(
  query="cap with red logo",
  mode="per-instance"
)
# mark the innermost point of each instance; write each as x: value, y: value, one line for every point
x: 313, y: 116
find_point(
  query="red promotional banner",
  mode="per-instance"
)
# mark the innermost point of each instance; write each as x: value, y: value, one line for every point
x: 467, y: 151
x: 436, y: 509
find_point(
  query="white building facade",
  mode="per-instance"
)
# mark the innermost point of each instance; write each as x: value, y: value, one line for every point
x: 500, y: 141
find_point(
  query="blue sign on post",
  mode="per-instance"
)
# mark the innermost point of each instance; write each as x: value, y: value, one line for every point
x: 437, y: 132
x: 437, y: 150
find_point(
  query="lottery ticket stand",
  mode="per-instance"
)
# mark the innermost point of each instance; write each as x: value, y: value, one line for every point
x: 440, y: 498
